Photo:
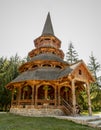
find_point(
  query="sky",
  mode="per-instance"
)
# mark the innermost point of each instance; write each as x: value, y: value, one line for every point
x: 22, y: 21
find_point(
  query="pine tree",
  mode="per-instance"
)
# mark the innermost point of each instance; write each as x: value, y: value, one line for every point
x: 71, y: 55
x: 95, y: 67
x: 8, y: 71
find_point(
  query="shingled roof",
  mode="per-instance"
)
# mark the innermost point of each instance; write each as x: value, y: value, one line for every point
x: 48, y: 56
x: 42, y: 74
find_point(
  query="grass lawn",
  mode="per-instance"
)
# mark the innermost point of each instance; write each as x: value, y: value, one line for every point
x: 93, y: 113
x: 15, y: 122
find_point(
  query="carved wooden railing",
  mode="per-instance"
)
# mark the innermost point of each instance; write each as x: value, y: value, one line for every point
x: 25, y: 102
x: 21, y: 102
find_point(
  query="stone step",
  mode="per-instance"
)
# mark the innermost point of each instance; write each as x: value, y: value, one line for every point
x: 94, y: 123
x: 99, y: 127
x: 93, y: 119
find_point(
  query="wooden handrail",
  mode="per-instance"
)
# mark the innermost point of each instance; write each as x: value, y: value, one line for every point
x: 67, y: 106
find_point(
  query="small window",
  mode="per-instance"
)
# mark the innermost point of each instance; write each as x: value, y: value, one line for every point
x: 34, y: 66
x: 80, y: 72
x: 46, y: 65
x: 41, y: 40
x: 47, y: 39
x: 54, y: 41
x: 57, y: 66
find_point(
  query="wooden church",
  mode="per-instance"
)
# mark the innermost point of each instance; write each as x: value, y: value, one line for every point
x: 48, y: 85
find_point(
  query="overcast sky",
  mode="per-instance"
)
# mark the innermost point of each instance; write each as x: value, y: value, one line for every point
x: 22, y: 21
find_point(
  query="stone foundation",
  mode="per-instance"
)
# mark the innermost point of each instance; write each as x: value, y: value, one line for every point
x: 37, y: 112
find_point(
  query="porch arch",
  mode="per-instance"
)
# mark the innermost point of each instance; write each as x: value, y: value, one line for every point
x: 65, y: 93
x: 26, y: 92
x: 45, y: 94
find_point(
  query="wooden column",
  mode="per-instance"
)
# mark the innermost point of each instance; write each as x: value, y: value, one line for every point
x: 32, y: 103
x: 73, y: 97
x: 12, y: 97
x: 89, y: 100
x: 36, y: 95
x: 55, y: 96
x: 19, y: 95
x: 13, y: 94
x: 58, y: 96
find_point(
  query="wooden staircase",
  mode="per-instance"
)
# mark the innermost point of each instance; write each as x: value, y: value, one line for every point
x: 67, y: 108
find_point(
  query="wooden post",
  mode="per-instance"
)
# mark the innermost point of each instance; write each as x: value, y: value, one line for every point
x: 58, y: 95
x: 89, y: 100
x: 55, y: 96
x: 19, y: 95
x: 36, y: 95
x: 12, y: 97
x: 46, y: 94
x: 32, y: 95
x: 73, y: 97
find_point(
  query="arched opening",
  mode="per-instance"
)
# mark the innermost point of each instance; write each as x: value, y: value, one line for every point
x: 34, y: 66
x: 80, y: 72
x: 46, y: 65
x: 57, y: 66
x: 46, y: 93
x: 47, y: 39
x: 51, y: 93
x: 81, y: 96
x: 40, y: 92
x: 15, y: 93
x: 65, y: 93
x: 26, y: 92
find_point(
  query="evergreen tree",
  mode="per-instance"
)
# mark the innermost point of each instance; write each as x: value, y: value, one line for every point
x: 95, y: 67
x: 8, y: 71
x: 71, y: 55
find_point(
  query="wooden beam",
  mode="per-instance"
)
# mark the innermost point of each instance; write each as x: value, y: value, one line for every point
x: 73, y: 97
x: 89, y: 100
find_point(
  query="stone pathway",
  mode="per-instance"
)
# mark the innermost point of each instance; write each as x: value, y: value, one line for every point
x: 93, y: 121
x: 3, y: 112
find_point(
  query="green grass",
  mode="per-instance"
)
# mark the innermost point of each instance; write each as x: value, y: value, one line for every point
x: 15, y: 122
x: 93, y: 113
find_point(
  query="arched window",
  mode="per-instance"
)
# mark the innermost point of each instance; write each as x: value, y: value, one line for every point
x: 80, y: 72
x: 64, y: 92
x: 26, y: 92
x: 15, y: 93
x: 57, y: 66
x: 47, y: 39
x: 34, y: 66
x: 46, y: 65
x: 46, y: 92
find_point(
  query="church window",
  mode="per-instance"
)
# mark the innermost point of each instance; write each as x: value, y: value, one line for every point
x: 34, y: 66
x: 46, y: 65
x: 47, y: 39
x: 57, y: 66
x: 80, y: 72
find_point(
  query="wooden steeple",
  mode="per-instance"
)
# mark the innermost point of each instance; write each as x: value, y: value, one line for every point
x: 48, y: 85
x: 48, y: 28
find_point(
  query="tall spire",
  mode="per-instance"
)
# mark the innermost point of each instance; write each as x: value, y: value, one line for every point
x: 48, y: 28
